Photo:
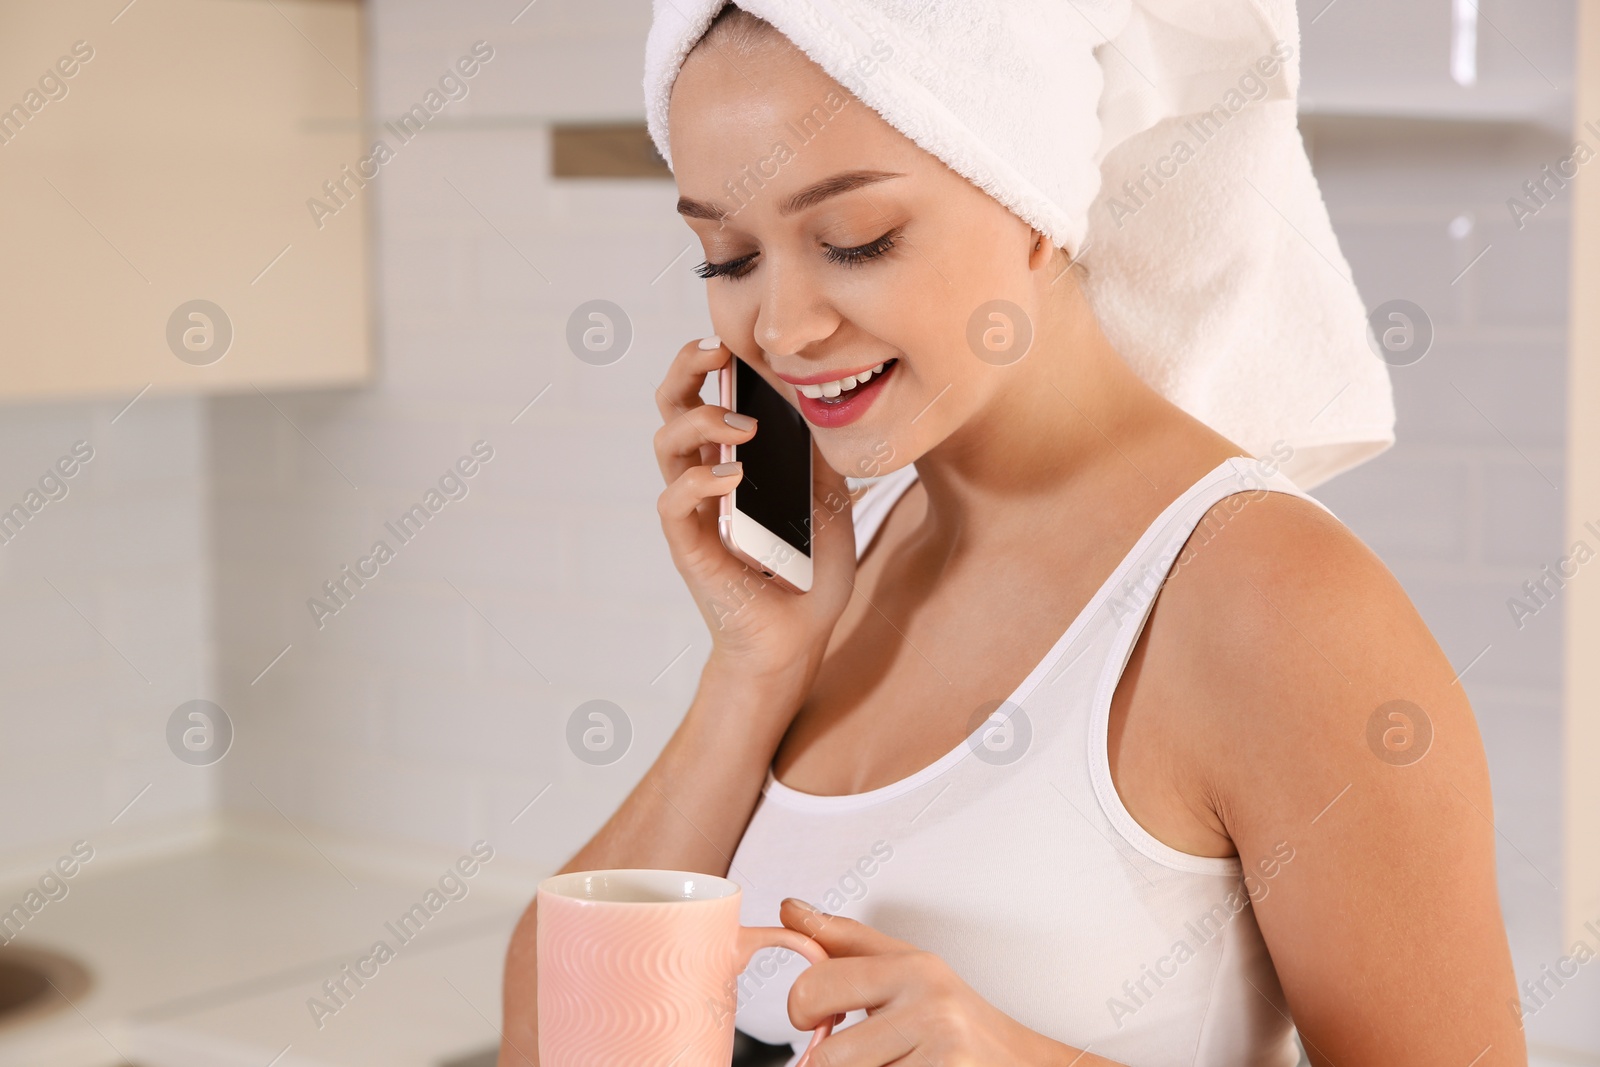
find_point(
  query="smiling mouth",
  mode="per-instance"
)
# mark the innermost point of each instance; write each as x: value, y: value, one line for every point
x: 840, y: 390
x: 847, y: 404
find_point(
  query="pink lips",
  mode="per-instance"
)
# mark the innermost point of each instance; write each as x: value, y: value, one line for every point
x: 851, y: 405
x: 828, y: 376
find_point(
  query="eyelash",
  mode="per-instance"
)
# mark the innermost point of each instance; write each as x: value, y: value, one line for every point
x: 846, y: 257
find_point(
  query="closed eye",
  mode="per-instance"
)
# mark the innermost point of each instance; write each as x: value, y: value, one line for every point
x: 847, y: 257
x: 733, y: 268
x: 861, y: 253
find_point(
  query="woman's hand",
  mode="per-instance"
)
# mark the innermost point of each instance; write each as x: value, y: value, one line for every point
x: 757, y: 627
x: 918, y: 1010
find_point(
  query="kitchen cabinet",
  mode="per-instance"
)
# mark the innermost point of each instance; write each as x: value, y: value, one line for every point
x: 160, y: 166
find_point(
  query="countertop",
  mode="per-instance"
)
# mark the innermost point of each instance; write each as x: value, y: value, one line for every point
x: 208, y: 957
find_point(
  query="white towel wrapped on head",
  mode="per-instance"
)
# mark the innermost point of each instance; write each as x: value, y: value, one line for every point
x: 1157, y: 141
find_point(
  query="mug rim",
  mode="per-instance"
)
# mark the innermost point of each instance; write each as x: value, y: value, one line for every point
x: 556, y: 886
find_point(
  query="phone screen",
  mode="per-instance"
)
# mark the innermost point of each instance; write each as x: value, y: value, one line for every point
x: 776, y: 488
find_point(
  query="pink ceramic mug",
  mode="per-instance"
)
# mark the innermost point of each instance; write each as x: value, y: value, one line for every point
x: 639, y: 968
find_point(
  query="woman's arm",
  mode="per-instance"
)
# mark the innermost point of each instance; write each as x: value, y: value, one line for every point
x: 1324, y: 717
x: 687, y: 814
x: 691, y: 807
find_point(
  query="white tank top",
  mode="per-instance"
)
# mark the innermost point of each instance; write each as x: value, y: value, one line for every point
x: 1013, y: 859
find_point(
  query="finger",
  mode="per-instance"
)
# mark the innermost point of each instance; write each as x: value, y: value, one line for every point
x: 838, y: 934
x: 681, y: 440
x: 689, y: 528
x: 850, y: 983
x: 686, y: 376
x: 875, y: 1041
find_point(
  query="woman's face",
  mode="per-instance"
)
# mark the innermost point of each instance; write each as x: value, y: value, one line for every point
x: 833, y: 244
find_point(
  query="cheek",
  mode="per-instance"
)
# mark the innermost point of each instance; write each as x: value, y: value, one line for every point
x: 736, y: 322
x: 927, y: 317
x: 946, y: 324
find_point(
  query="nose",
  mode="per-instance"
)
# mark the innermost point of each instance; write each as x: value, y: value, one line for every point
x: 794, y: 312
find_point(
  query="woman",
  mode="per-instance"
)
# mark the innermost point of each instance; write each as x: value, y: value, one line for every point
x: 1078, y: 710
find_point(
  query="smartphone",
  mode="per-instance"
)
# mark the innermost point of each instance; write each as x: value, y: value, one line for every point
x: 766, y: 520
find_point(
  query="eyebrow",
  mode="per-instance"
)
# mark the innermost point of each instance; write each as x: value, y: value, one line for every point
x: 810, y: 196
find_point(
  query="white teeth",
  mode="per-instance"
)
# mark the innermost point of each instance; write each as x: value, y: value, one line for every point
x: 841, y: 385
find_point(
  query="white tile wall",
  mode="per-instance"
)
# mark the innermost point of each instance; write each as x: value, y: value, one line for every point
x: 105, y: 623
x: 1468, y: 504
x: 434, y: 705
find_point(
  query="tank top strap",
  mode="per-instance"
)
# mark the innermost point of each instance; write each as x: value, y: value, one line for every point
x: 1130, y: 591
x: 1128, y: 597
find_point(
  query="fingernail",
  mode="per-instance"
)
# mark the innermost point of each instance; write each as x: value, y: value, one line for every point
x: 722, y: 470
x: 739, y: 421
x: 708, y: 343
x: 802, y: 905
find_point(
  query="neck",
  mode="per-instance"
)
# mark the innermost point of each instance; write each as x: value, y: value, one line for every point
x: 1069, y: 415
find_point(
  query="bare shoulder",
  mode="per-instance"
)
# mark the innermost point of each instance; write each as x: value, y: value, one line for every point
x: 1290, y: 633
x: 1288, y: 588
x: 1309, y: 715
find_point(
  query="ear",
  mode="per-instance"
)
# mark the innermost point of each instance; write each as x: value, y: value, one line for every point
x: 1040, y: 251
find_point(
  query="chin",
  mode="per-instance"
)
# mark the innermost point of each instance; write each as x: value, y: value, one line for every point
x: 866, y: 455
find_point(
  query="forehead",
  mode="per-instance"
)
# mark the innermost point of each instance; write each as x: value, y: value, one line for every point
x: 775, y: 116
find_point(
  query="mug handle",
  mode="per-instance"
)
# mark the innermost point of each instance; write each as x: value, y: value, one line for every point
x: 754, y: 938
